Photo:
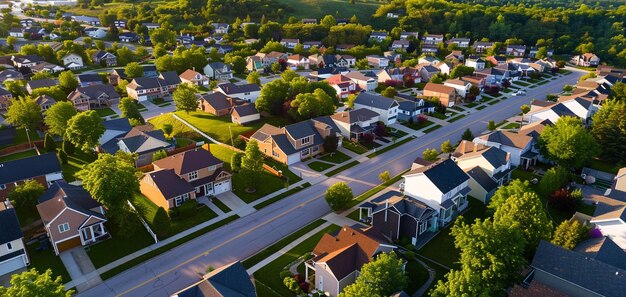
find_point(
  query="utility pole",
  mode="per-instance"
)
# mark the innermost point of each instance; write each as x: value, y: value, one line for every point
x: 231, y: 136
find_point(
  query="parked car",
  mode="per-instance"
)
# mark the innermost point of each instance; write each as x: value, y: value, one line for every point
x: 519, y: 93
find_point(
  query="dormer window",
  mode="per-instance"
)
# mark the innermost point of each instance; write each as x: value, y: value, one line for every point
x: 193, y: 175
x: 306, y: 140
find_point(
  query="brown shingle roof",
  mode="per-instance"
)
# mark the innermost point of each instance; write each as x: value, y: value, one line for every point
x: 189, y: 74
x: 438, y: 88
x: 536, y: 289
x: 508, y: 138
x: 188, y: 161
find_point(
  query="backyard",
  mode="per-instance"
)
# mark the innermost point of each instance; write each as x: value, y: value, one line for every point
x: 178, y: 128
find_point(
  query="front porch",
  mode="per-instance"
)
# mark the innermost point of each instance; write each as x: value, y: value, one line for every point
x: 528, y: 159
x: 93, y: 233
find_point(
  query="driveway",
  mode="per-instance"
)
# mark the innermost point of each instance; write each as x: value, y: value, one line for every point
x: 78, y: 265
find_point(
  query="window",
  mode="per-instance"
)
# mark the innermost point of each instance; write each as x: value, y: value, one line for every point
x: 306, y: 140
x: 193, y: 175
x: 9, y: 246
x: 3, y: 187
x: 64, y: 227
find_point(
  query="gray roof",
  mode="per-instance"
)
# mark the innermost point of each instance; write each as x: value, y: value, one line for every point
x: 169, y: 183
x: 149, y: 82
x: 445, y: 175
x: 95, y: 91
x: 21, y: 169
x: 74, y: 197
x: 123, y: 126
x: 230, y: 88
x: 580, y: 269
x: 171, y: 77
x: 404, y: 206
x: 217, y: 100
x: 375, y: 100
x: 245, y: 110
x: 482, y: 178
x: 300, y: 130
x: 41, y: 83
x: 142, y: 142
x: 603, y: 249
x: 495, y: 156
x: 90, y: 77
x: 10, y: 226
x: 231, y: 280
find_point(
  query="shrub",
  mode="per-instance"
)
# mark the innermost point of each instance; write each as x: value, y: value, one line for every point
x: 161, y: 222
x: 304, y: 286
x: 367, y: 138
x: 595, y: 233
x: 63, y: 157
x: 235, y: 161
x: 421, y: 119
x: 239, y: 143
x: 292, y: 285
x: 562, y: 200
x: 284, y: 274
x: 49, y: 144
x: 299, y: 278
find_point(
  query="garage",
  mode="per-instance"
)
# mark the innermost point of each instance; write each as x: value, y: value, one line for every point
x: 12, y: 264
x: 221, y: 187
x: 68, y: 244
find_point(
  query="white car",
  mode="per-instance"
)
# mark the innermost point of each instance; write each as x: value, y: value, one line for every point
x: 518, y: 93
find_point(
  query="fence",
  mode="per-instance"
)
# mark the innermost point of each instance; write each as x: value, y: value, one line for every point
x: 143, y: 222
x: 599, y: 175
x: 20, y: 147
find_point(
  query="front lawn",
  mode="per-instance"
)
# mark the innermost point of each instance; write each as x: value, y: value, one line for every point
x: 417, y: 126
x: 511, y: 126
x: 75, y: 163
x: 354, y: 147
x: 521, y: 83
x: 319, y: 166
x: 342, y: 168
x: 119, y: 245
x: 440, y: 116
x: 454, y: 119
x: 46, y: 259
x: 105, y: 112
x: 178, y: 128
x: 335, y: 157
x: 17, y: 156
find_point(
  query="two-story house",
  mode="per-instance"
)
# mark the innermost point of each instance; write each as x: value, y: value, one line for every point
x: 482, y: 46
x: 218, y: 104
x: 475, y: 62
x: 5, y: 100
x: 89, y: 79
x: 147, y: 88
x: 248, y: 92
x: 586, y: 60
x: 447, y: 95
x: 44, y: 169
x: 228, y: 280
x: 460, y: 42
x: 220, y: 28
x: 364, y: 82
x: 400, y: 45
x: 187, y: 175
x: 377, y: 61
x: 298, y: 61
x: 193, y: 77
x: 519, y: 146
x: 387, y: 108
x: 144, y: 141
x: 343, y: 85
x: 40, y: 83
x: 378, y: 36
x: 104, y: 58
x: 407, y: 34
x: 94, y: 97
x: 409, y: 107
x: 73, y: 61
x: 355, y: 123
x: 462, y: 87
x: 580, y: 107
x: 218, y: 71
x: 289, y: 43
x: 13, y: 254
x: 515, y: 50
x: 433, y: 39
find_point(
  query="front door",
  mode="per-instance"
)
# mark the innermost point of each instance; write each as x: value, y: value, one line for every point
x: 208, y: 189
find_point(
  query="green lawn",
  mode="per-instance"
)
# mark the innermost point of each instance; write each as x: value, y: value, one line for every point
x: 454, y: 119
x: 481, y: 107
x: 43, y: 260
x: 335, y: 157
x: 105, y: 112
x: 20, y: 155
x: 511, y: 126
x: 521, y: 83
x: 119, y: 245
x: 493, y: 102
x: 21, y: 137
x: 282, y: 196
x: 418, y: 275
x: 342, y: 168
x: 354, y: 147
x: 183, y: 142
x: 471, y: 105
x: 75, y: 162
x: 319, y: 166
x: 417, y: 126
x: 371, y: 192
x: 179, y: 129
x: 268, y: 276
x: 433, y: 128
x: 440, y: 116
x: 218, y: 127
x: 258, y: 257
x: 220, y: 205
x: 601, y: 165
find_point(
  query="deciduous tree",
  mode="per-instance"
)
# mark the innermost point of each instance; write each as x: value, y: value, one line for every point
x: 384, y: 276
x: 252, y: 164
x: 32, y: 283
x: 84, y: 130
x: 254, y: 78
x: 446, y: 147
x: 25, y: 195
x: 338, y: 195
x: 185, y: 97
x: 568, y: 143
x: 68, y: 81
x: 24, y: 113
x: 430, y: 154
x: 133, y: 70
x: 129, y: 109
x: 609, y: 130
x: 569, y: 233
x: 525, y: 212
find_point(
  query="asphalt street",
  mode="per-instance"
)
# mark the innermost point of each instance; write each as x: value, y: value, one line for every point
x: 185, y: 264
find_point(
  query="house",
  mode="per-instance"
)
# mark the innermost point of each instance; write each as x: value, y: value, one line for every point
x: 10, y: 74
x: 73, y: 61
x: 89, y: 79
x: 515, y: 50
x: 586, y: 60
x: 328, y: 61
x: 147, y: 88
x: 309, y: 21
x: 595, y: 267
x: 217, y: 103
x: 580, y: 107
x: 387, y: 108
x: 45, y: 102
x: 444, y: 67
x: 245, y: 113
x: 406, y: 35
x: 128, y: 37
x: 298, y: 61
x: 521, y: 147
x: 144, y: 141
x: 343, y: 85
x: 398, y: 75
x: 609, y: 217
x: 254, y: 63
x: 117, y: 75
x: 97, y: 33
x: 220, y: 28
x: 476, y: 62
x: 13, y: 254
x: 447, y: 95
x: 355, y: 123
x: 428, y: 60
x: 349, y: 59
x: 427, y: 71
x: 410, y: 107
x: 71, y: 217
x: 16, y: 32
x: 114, y: 129
x: 430, y: 49
x: 497, y: 60
x: 493, y: 76
x: 92, y: 21
x: 195, y: 78
x: 183, y: 176
x: 120, y: 24
x: 534, y: 50
x: 455, y: 57
x: 248, y: 92
x: 462, y: 87
x: 5, y: 100
x: 400, y: 45
x: 460, y: 42
x: 39, y: 83
x: 289, y: 43
x: 443, y: 186
x: 476, y: 81
x: 364, y: 82
x: 151, y: 26
x: 433, y: 39
x: 337, y: 259
x: 396, y: 216
x: 226, y: 281
x: 295, y: 142
x: 104, y: 59
x: 171, y: 80
x: 47, y: 67
x: 309, y: 44
x: 20, y: 61
x: 378, y: 36
x: 218, y: 71
x: 222, y: 49
x: 94, y: 97
x: 487, y: 167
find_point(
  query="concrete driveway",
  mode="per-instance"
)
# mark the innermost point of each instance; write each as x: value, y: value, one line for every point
x: 79, y: 265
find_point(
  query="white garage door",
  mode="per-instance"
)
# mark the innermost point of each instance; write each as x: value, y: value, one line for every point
x: 11, y: 265
x: 221, y: 187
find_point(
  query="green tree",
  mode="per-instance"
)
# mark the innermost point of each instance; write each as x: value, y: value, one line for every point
x: 168, y: 129
x: 239, y: 64
x: 338, y: 195
x: 515, y: 188
x: 235, y: 161
x: 133, y: 70
x: 328, y: 21
x: 25, y: 195
x: 158, y: 155
x: 467, y: 135
x: 460, y: 71
x: 276, y: 67
x: 389, y: 92
x: 618, y: 91
x: 272, y: 97
x: 84, y: 130
x: 252, y: 164
x: 310, y: 105
x: 185, y: 97
x: 330, y: 143
x: 32, y: 283
x: 384, y: 176
x: 430, y: 154
x: 568, y: 88
x: 129, y: 109
x: 525, y: 108
x: 254, y: 78
x: 362, y: 64
x: 55, y: 92
x: 68, y: 81
x: 542, y: 52
x: 526, y: 213
x: 67, y: 147
x: 11, y: 41
x: 63, y: 157
x: 568, y: 143
x: 350, y: 100
x: 24, y: 113
x: 384, y: 276
x: 554, y: 179
x: 569, y: 233
x: 161, y: 222
x: 42, y: 75
x: 491, y: 126
x: 163, y: 36
x: 48, y: 143
x: 609, y: 130
x: 446, y: 147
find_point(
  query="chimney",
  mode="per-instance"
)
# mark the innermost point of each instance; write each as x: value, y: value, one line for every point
x: 475, y: 147
x: 463, y: 146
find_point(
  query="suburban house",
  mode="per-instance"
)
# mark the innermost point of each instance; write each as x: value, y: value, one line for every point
x: 493, y: 76
x: 104, y: 58
x: 183, y: 176
x: 580, y: 107
x: 387, y: 108
x: 217, y: 103
x: 147, y: 88
x: 28, y: 61
x: 364, y: 82
x: 44, y: 168
x: 447, y: 95
x: 595, y: 267
x: 47, y: 67
x: 13, y: 254
x: 45, y: 102
x: 515, y: 50
x: 586, y: 60
x: 520, y: 147
x: 248, y: 92
x: 295, y: 142
x: 10, y: 74
x: 487, y: 167
x: 5, y: 100
x: 400, y: 45
x: 406, y: 35
x: 94, y: 97
x: 92, y: 21
x: 220, y: 28
x: 144, y: 141
x: 476, y: 62
x: 427, y: 71
x: 171, y: 79
x: 377, y: 61
x: 151, y: 26
x: 113, y: 130
x: 338, y: 258
x: 399, y: 75
x: 532, y: 52
x: 378, y: 36
x: 72, y: 61
x: 97, y: 33
x: 218, y: 71
x: 460, y: 42
x: 456, y: 57
x: 482, y: 46
x: 243, y: 114
x: 71, y: 217
x: 410, y: 107
x: 444, y: 67
x: 227, y: 281
x: 462, y: 87
x: 89, y: 79
x: 355, y: 123
x: 289, y: 43
x: 343, y: 85
x: 443, y: 186
x: 120, y: 24
x: 609, y: 217
x: 194, y: 78
x: 497, y: 60
x: 309, y: 44
x: 428, y: 60
x: 296, y: 61
x: 128, y: 37
x: 40, y: 83
x: 396, y: 216
x: 433, y: 39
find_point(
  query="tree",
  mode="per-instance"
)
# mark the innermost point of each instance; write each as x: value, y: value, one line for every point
x: 525, y: 108
x: 239, y: 64
x: 542, y: 52
x: 24, y: 113
x: 163, y: 36
x: 252, y: 164
x: 430, y: 154
x: 68, y: 81
x: 446, y: 147
x: 569, y: 233
x: 48, y: 143
x: 568, y: 143
x: 328, y: 21
x: 609, y: 130
x: 185, y: 97
x: 554, y: 178
x: 235, y: 161
x: 384, y: 176
x: 362, y: 64
x: 158, y: 155
x: 275, y: 67
x: 618, y: 91
x: 62, y: 156
x: 515, y: 188
x: 67, y: 147
x: 389, y: 92
x: 310, y: 105
x: 458, y: 283
x: 55, y: 92
x: 113, y: 33
x: 350, y: 100
x: 467, y: 135
x: 338, y: 195
x: 25, y: 195
x: 460, y: 71
x: 526, y: 213
x: 133, y: 70
x: 32, y: 283
x: 42, y: 75
x: 161, y: 222
x: 254, y: 78
x: 272, y: 97
x: 568, y: 88
x: 330, y: 143
x: 382, y: 276
x: 129, y: 109
x: 84, y: 130
x: 167, y: 129
x: 11, y: 41
x: 491, y: 126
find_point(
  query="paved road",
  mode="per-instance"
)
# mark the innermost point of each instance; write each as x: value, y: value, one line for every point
x: 180, y: 267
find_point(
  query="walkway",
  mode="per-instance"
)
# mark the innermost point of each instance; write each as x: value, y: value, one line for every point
x: 80, y: 268
x: 235, y: 204
x: 205, y: 200
x: 431, y: 277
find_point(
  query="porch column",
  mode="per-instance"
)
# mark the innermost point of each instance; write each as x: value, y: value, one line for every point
x: 306, y: 272
x: 360, y: 214
x: 93, y: 235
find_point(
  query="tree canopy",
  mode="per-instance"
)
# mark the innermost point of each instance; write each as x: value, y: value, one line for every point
x: 58, y: 116
x: 32, y: 283
x: 609, y: 130
x: 24, y: 113
x: 84, y: 130
x: 382, y: 276
x: 568, y: 143
x: 338, y: 195
x: 185, y: 97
